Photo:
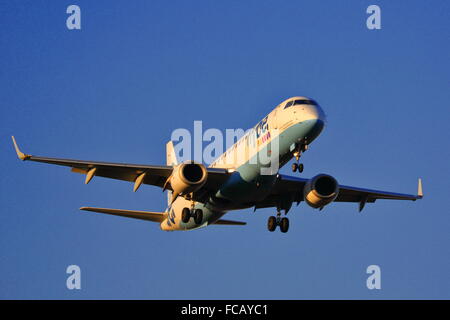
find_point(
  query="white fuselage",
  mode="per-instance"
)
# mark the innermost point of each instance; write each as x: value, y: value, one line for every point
x: 276, y: 136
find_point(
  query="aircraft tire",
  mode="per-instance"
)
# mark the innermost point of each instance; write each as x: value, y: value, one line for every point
x: 272, y: 223
x: 198, y: 216
x: 284, y: 225
x: 185, y: 215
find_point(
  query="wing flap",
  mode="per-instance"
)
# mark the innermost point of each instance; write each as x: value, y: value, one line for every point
x: 143, y: 215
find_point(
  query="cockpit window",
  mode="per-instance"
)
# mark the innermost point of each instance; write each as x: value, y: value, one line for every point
x: 305, y: 101
x: 290, y: 103
x: 300, y: 101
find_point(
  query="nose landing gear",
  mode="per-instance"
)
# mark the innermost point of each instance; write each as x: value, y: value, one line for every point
x: 297, y: 154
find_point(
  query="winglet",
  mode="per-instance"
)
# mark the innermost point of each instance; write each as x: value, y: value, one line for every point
x: 419, y: 189
x: 22, y: 156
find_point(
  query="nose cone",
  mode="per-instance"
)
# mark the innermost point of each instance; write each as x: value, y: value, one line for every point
x: 313, y: 112
x: 316, y: 128
x: 313, y: 117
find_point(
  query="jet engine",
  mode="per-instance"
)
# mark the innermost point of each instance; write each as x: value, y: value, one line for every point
x: 187, y: 177
x: 320, y: 190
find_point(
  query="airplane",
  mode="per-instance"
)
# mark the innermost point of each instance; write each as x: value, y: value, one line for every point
x: 199, y: 196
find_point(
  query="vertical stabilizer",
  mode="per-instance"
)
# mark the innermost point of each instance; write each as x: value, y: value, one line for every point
x: 171, y: 160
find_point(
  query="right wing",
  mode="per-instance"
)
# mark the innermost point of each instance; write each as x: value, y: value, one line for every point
x: 139, y: 174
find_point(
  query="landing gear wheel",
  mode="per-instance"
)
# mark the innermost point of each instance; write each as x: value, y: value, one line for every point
x: 272, y: 224
x: 185, y: 215
x: 284, y: 225
x: 300, y: 167
x: 198, y: 216
x: 294, y: 167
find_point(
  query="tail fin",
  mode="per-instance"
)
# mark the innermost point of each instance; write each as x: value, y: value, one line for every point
x: 171, y: 157
x: 171, y: 160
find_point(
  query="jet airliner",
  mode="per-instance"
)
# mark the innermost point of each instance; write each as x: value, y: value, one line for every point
x: 199, y: 196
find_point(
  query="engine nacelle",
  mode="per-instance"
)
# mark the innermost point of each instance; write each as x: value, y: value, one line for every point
x: 320, y: 190
x: 187, y: 177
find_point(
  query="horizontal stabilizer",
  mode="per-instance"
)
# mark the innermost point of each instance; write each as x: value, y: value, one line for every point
x: 230, y: 223
x: 143, y: 215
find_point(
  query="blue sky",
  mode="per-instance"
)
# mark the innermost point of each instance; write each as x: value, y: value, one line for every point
x: 116, y: 89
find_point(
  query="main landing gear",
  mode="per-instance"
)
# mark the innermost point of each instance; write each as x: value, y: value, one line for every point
x: 187, y: 213
x: 297, y: 154
x: 273, y: 222
x: 297, y: 167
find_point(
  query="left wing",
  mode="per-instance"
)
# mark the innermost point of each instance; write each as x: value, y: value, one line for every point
x: 137, y: 173
x: 292, y: 187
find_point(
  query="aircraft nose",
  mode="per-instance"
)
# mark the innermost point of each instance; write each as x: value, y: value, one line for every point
x: 315, y: 118
x: 314, y: 112
x: 321, y: 117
